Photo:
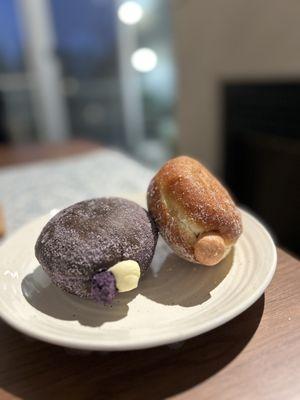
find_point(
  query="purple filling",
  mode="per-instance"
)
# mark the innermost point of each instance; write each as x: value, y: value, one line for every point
x: 104, y: 287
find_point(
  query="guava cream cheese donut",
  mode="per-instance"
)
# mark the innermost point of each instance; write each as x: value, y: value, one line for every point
x: 193, y: 212
x: 97, y: 248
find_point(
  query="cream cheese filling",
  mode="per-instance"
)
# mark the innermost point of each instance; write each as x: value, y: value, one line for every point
x: 127, y: 274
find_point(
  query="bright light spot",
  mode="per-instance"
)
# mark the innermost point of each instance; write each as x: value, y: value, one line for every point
x: 144, y: 60
x: 130, y: 12
x: 53, y: 212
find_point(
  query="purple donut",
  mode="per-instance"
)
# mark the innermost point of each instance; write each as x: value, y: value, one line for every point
x: 80, y: 243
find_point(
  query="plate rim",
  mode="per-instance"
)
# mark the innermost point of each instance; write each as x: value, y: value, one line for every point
x: 81, y: 344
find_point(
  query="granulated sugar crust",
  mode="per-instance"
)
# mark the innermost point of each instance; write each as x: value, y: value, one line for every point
x: 93, y: 235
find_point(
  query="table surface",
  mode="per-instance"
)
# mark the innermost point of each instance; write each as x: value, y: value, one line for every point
x: 254, y: 356
x: 21, y: 154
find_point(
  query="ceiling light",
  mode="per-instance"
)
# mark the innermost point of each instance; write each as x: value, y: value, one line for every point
x: 130, y: 12
x: 144, y: 60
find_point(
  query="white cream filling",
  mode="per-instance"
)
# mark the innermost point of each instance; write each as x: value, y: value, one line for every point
x: 127, y: 274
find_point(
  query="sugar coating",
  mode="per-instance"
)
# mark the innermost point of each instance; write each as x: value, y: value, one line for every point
x: 94, y: 235
x: 187, y: 201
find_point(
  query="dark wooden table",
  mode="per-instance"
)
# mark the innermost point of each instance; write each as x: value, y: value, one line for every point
x: 20, y: 154
x: 255, y: 356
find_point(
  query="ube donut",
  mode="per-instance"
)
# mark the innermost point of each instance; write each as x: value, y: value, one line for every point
x: 193, y: 212
x: 96, y: 248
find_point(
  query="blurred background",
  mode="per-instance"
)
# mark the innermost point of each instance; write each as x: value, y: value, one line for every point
x: 217, y: 80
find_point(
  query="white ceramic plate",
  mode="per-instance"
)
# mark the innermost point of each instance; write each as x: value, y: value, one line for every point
x: 176, y: 300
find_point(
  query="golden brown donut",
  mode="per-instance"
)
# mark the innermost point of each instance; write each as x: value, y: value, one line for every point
x: 194, y: 213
